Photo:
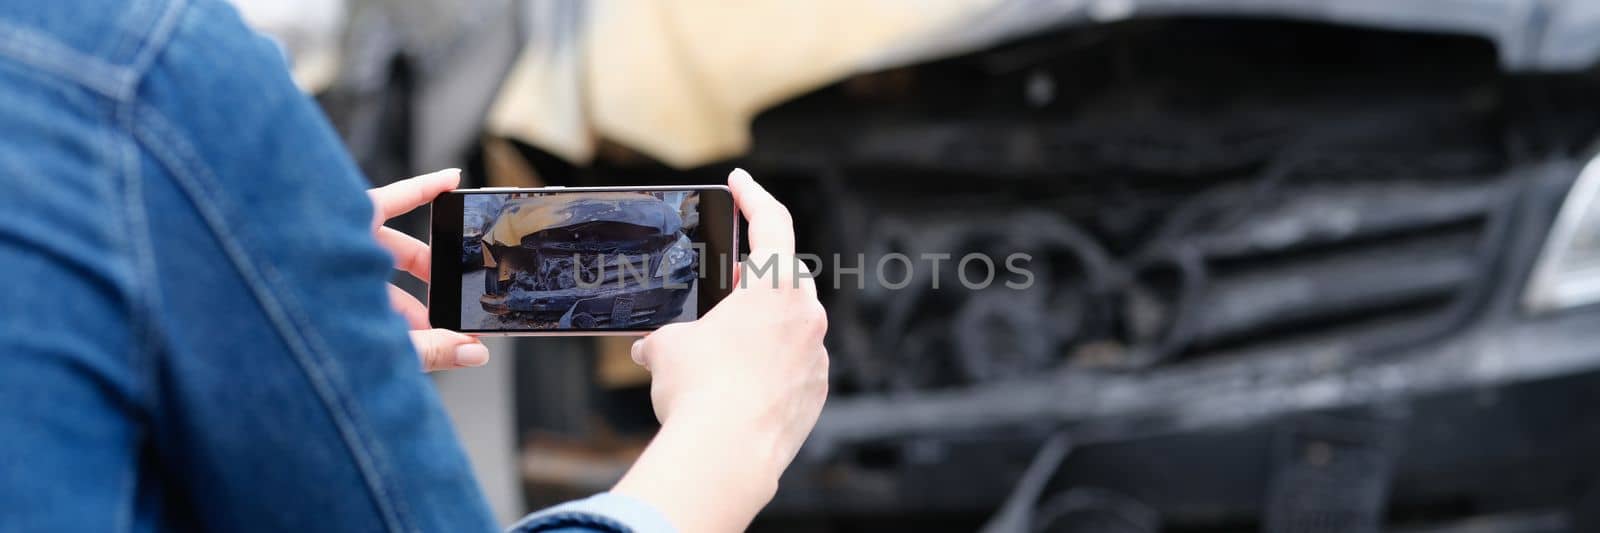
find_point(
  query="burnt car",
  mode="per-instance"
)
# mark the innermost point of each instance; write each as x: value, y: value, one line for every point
x: 1302, y: 265
x: 1292, y: 276
x: 600, y: 260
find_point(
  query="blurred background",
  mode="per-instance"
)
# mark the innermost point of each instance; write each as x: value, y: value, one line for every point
x: 1302, y: 265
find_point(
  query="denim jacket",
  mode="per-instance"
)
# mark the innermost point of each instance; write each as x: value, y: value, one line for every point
x: 194, y: 328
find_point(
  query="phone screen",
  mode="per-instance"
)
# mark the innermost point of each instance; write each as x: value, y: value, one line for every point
x: 579, y: 260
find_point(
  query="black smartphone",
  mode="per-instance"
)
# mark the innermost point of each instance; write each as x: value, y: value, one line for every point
x: 580, y: 261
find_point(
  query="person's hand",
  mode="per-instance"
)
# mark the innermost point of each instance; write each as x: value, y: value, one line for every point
x: 738, y: 390
x: 759, y: 353
x: 439, y: 349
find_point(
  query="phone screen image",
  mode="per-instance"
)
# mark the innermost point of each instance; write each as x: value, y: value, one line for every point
x: 579, y: 260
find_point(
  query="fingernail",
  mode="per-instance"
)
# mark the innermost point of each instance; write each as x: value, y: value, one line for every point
x: 633, y: 352
x: 739, y: 173
x: 472, y: 355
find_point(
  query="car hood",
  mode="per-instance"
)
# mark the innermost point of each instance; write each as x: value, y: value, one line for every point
x: 1531, y: 35
x: 525, y: 216
x: 697, y: 72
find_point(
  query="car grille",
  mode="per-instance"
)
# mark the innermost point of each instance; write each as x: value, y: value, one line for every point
x: 1372, y: 263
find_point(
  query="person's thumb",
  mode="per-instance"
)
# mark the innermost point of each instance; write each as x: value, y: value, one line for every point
x: 637, y: 353
x: 667, y: 335
x: 442, y: 349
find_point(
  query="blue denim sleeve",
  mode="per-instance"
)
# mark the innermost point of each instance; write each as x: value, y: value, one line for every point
x: 606, y: 512
x: 200, y: 339
x: 290, y: 396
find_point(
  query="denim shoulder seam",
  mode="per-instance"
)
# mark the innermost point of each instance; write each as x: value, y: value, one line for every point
x: 197, y: 181
x: 154, y: 42
x: 125, y: 40
x: 146, y: 299
x: 39, y: 50
x: 35, y: 49
x: 139, y: 290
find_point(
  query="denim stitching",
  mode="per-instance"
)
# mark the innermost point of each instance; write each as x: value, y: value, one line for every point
x: 77, y: 95
x: 146, y: 298
x: 123, y: 164
x: 38, y: 51
x: 140, y: 301
x: 130, y: 27
x: 139, y: 238
x: 375, y: 453
x: 109, y: 149
x: 154, y: 43
x: 180, y: 162
x: 137, y: 291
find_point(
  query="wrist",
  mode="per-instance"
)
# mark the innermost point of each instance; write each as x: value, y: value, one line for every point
x: 743, y: 455
x: 750, y: 437
x: 706, y: 475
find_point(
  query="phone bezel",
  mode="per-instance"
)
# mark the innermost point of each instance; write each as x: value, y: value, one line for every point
x: 446, y: 260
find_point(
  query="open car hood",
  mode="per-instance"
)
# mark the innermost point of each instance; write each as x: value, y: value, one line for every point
x: 680, y: 81
x: 522, y: 217
x: 1531, y: 35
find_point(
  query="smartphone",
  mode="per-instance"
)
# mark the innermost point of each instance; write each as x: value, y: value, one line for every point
x: 580, y: 261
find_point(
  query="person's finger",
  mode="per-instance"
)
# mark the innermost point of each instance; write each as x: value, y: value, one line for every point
x: 637, y: 354
x: 410, y: 307
x: 644, y: 348
x: 442, y: 349
x: 410, y: 254
x: 771, y: 227
x: 402, y: 196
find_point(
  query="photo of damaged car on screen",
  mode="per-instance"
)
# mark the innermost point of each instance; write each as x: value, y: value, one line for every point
x: 614, y: 260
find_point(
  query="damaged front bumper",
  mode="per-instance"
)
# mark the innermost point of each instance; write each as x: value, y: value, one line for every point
x: 612, y: 305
